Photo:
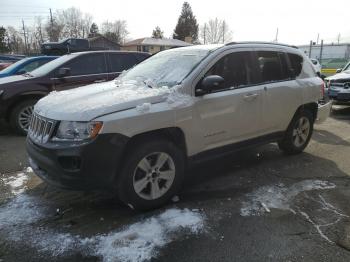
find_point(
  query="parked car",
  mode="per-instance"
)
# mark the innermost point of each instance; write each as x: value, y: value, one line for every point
x: 3, y: 65
x: 11, y: 58
x: 69, y: 45
x: 26, y: 65
x: 18, y: 94
x: 136, y: 135
x: 316, y: 65
x: 339, y: 85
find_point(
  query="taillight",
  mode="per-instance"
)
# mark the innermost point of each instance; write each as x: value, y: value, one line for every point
x: 323, y: 86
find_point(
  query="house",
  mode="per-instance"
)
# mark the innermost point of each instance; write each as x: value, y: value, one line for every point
x: 102, y: 42
x: 153, y: 45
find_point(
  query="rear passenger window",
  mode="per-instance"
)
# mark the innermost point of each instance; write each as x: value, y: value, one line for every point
x: 235, y: 68
x: 272, y: 66
x: 296, y: 62
x: 121, y: 62
x: 87, y: 65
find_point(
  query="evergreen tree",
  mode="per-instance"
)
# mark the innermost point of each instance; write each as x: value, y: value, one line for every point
x: 157, y: 33
x: 3, y: 45
x: 93, y: 30
x: 186, y: 25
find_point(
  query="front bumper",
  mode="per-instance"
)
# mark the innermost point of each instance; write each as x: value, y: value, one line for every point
x: 81, y: 166
x: 339, y: 94
x: 323, y: 111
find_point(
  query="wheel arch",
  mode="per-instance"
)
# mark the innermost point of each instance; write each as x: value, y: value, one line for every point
x: 20, y: 99
x: 173, y: 134
x: 312, y: 107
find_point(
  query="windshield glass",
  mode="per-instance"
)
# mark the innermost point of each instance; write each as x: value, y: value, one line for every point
x: 167, y: 68
x: 347, y: 67
x: 47, y: 68
x: 13, y: 66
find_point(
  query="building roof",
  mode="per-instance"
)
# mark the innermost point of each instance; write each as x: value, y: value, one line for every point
x: 157, y: 42
x: 95, y: 38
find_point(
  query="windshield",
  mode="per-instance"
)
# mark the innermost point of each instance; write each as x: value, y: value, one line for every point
x: 347, y: 67
x: 8, y: 69
x: 167, y: 68
x: 47, y: 68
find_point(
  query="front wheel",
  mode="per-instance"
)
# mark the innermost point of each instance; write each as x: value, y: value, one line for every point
x: 153, y: 172
x: 298, y: 134
x: 21, y: 115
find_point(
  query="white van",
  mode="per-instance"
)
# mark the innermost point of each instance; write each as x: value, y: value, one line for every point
x: 137, y: 134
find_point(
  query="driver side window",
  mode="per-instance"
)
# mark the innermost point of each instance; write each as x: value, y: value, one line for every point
x: 236, y: 69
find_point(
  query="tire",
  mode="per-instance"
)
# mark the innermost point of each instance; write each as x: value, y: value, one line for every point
x: 137, y: 188
x: 298, y: 134
x: 22, y: 110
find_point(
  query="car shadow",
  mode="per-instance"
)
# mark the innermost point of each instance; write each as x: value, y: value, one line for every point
x: 341, y: 112
x: 326, y: 137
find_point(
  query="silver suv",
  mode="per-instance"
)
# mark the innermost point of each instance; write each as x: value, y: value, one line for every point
x: 138, y: 133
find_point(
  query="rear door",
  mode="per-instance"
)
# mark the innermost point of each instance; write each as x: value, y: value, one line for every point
x: 281, y: 95
x: 84, y: 69
x: 118, y: 62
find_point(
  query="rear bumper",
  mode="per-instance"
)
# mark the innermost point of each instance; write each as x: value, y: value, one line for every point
x: 323, y: 111
x: 80, y: 166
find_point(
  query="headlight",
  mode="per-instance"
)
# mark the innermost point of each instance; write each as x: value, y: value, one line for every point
x: 77, y: 131
x: 1, y: 92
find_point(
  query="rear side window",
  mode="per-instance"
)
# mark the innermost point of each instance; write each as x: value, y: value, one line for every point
x: 87, y: 65
x: 236, y: 68
x: 121, y: 62
x: 272, y: 66
x: 296, y: 62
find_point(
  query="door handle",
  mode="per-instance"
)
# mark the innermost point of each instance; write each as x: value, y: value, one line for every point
x: 99, y: 80
x: 250, y: 97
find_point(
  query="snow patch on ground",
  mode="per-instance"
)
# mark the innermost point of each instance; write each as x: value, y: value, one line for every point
x: 278, y: 196
x: 141, y: 241
x: 137, y: 242
x: 16, y: 182
x: 21, y: 211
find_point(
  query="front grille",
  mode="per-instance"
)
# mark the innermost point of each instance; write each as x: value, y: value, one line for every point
x: 41, y: 128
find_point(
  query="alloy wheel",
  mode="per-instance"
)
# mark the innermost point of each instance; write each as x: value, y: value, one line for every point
x: 154, y: 175
x: 301, y: 131
x: 24, y: 117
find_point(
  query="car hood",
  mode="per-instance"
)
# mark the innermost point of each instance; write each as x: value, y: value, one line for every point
x: 342, y: 75
x: 88, y: 102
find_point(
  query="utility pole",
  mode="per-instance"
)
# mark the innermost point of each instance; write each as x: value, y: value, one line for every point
x: 310, y: 48
x: 51, y: 29
x: 318, y: 37
x: 25, y: 38
x: 321, y: 50
x: 338, y: 38
x: 205, y: 31
x: 276, y: 38
x: 223, y: 32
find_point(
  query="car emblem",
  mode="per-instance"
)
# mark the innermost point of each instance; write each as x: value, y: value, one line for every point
x: 347, y: 85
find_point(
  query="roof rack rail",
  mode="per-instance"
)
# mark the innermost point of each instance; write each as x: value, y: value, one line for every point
x: 257, y: 42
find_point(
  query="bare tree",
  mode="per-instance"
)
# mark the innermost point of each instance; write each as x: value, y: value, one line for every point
x: 115, y: 31
x: 15, y: 41
x: 215, y: 31
x: 54, y: 28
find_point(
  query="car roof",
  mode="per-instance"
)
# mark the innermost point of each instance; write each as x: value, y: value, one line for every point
x: 108, y: 51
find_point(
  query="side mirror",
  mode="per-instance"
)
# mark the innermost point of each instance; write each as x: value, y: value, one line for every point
x: 63, y: 71
x: 339, y: 70
x: 209, y: 84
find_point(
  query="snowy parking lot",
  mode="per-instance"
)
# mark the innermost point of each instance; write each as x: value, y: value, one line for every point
x: 256, y: 205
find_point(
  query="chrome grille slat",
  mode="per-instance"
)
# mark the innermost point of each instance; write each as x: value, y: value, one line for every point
x: 41, y: 128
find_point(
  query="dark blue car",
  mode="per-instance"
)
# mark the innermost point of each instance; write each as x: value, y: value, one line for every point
x: 26, y: 65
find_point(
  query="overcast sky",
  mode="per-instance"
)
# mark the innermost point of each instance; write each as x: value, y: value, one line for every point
x: 298, y: 21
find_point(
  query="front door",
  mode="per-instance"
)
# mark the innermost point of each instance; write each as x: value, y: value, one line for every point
x: 232, y: 114
x: 84, y: 69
